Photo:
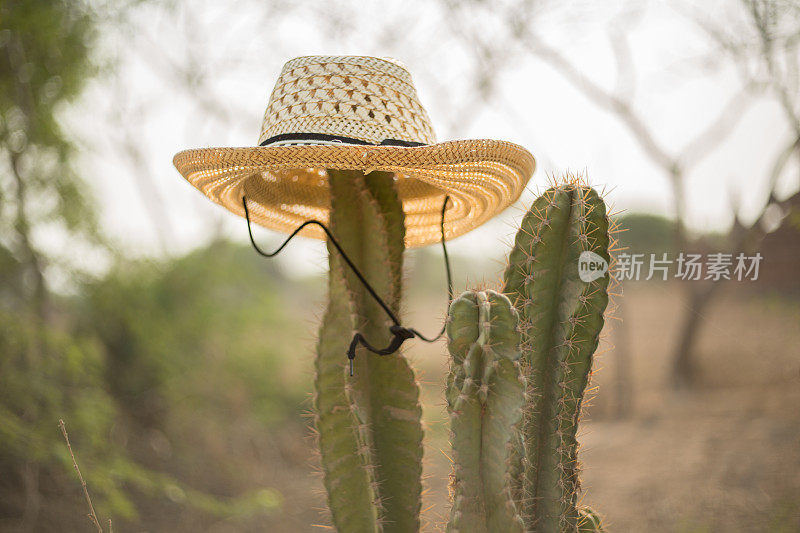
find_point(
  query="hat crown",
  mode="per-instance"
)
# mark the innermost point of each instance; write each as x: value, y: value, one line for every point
x: 359, y: 97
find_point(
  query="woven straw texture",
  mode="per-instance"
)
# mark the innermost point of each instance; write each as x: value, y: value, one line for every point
x: 371, y: 100
x: 361, y: 97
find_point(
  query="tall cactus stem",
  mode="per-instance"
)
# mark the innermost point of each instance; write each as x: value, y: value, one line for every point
x: 369, y: 425
x: 485, y: 396
x: 561, y: 317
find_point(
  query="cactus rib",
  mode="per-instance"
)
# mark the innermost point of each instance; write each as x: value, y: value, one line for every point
x: 561, y: 319
x: 485, y: 396
x: 352, y: 498
x: 383, y: 397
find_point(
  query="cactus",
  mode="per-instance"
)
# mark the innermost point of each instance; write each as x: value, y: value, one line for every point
x: 370, y: 434
x: 485, y: 396
x: 520, y: 364
x: 560, y: 321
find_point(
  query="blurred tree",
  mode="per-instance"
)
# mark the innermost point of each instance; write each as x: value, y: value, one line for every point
x: 782, y: 247
x: 760, y: 37
x: 45, y: 62
x: 49, y: 368
x: 485, y: 40
x: 763, y: 44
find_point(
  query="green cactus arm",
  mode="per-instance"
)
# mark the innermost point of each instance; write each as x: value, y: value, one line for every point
x: 379, y: 185
x: 463, y: 318
x: 485, y: 397
x: 505, y: 399
x: 468, y: 512
x: 344, y: 456
x: 367, y: 219
x: 561, y: 319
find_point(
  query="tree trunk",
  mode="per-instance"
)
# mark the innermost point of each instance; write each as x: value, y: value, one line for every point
x: 623, y: 381
x: 684, y: 365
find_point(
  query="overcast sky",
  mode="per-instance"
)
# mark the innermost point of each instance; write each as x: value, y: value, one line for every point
x: 236, y: 53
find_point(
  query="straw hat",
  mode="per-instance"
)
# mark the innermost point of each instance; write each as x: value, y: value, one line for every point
x: 357, y: 113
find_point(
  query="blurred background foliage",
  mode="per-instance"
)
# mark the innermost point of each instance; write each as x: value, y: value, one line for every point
x: 183, y: 377
x: 151, y: 363
x: 154, y: 367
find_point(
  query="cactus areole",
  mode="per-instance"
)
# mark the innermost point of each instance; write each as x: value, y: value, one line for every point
x: 346, y: 143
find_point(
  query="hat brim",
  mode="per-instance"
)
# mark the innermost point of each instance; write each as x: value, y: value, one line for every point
x: 287, y: 185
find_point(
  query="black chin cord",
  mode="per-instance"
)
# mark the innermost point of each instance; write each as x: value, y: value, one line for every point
x: 400, y: 334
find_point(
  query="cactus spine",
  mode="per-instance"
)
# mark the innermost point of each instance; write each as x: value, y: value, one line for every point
x: 485, y: 396
x: 589, y: 521
x: 370, y: 434
x: 561, y: 318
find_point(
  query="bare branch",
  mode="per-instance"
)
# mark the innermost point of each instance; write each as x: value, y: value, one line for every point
x: 92, y: 514
x: 622, y: 54
x: 763, y: 15
x: 780, y: 164
x: 618, y: 32
x: 719, y: 129
x: 742, y: 235
x: 605, y: 100
x: 490, y: 57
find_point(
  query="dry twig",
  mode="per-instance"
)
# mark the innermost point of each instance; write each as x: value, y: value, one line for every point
x: 92, y: 514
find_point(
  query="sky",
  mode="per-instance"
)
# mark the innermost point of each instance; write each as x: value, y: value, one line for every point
x: 136, y: 116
